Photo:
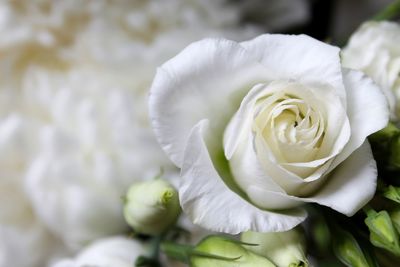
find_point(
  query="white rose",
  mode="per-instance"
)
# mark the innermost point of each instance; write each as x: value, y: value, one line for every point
x: 115, y: 251
x: 261, y: 127
x: 374, y: 49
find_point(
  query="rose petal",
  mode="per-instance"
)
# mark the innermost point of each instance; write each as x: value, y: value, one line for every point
x: 206, y: 80
x: 286, y: 175
x: 367, y: 110
x: 300, y: 58
x: 348, y: 188
x: 210, y: 203
x: 352, y: 184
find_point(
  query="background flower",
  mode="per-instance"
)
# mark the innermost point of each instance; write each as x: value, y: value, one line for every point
x: 114, y: 251
x: 374, y: 49
x: 21, y: 231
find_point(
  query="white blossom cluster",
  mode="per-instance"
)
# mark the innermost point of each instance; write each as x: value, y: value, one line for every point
x: 74, y: 132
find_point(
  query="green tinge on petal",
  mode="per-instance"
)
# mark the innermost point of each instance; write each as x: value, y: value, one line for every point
x: 219, y: 251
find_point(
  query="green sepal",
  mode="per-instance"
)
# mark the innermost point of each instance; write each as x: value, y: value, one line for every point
x: 382, y: 231
x: 348, y: 250
x: 392, y: 193
x: 222, y: 251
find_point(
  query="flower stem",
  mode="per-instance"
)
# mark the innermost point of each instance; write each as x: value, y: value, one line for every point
x: 151, y: 260
x: 177, y: 251
x: 389, y: 12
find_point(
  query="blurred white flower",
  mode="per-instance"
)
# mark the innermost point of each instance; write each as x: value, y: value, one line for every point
x: 374, y: 49
x: 21, y: 232
x: 115, y: 251
x: 77, y: 73
x: 92, y: 147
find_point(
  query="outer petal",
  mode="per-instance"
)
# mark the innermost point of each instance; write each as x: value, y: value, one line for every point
x: 206, y: 80
x: 352, y: 184
x: 301, y: 58
x: 367, y: 110
x: 211, y: 204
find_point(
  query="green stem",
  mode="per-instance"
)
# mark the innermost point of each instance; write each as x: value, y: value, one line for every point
x: 155, y: 246
x: 152, y: 259
x: 391, y: 11
x: 177, y: 251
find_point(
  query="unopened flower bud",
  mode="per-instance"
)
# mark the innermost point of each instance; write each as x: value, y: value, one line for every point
x: 152, y: 206
x: 382, y: 231
x: 219, y: 251
x: 392, y: 193
x: 348, y: 251
x: 285, y: 249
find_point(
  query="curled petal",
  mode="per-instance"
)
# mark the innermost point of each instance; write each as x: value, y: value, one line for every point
x: 210, y: 203
x: 300, y: 58
x: 352, y: 184
x: 206, y: 80
x: 367, y: 110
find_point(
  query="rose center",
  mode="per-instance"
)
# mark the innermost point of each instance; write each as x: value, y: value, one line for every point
x: 291, y: 128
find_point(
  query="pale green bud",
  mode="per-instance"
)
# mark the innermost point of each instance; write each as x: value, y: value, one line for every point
x: 219, y: 251
x: 151, y: 207
x: 382, y: 231
x: 285, y: 249
x: 348, y: 251
x: 392, y: 193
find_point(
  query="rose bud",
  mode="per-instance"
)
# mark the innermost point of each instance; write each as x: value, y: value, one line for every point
x: 283, y: 248
x: 152, y: 206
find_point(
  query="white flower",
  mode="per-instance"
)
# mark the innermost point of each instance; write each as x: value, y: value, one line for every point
x: 115, y: 251
x: 374, y: 49
x: 261, y: 127
x: 92, y: 147
x: 21, y: 232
